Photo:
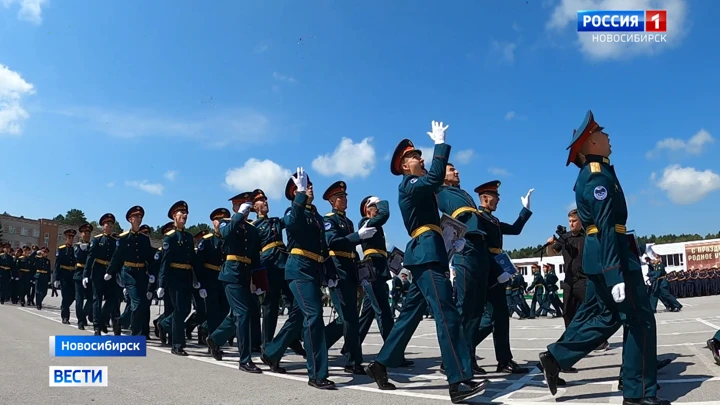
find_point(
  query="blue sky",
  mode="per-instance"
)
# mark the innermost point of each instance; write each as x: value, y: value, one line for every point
x: 109, y: 105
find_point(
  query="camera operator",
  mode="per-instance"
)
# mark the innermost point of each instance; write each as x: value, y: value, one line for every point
x: 570, y: 244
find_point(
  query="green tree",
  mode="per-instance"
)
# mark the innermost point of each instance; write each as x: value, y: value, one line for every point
x: 74, y: 216
x: 199, y: 227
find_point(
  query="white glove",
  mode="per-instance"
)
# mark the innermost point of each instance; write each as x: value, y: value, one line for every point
x: 451, y: 268
x: 301, y: 180
x: 56, y: 284
x: 203, y: 293
x: 438, y: 132
x: 332, y: 283
x: 17, y: 278
x: 196, y: 286
x: 503, y: 278
x: 83, y: 246
x: 371, y: 201
x: 459, y: 245
x: 245, y: 208
x: 367, y: 232
x: 526, y: 200
x: 160, y: 292
x: 259, y: 291
x: 85, y: 282
x: 107, y: 277
x: 148, y: 295
x: 151, y: 279
x: 618, y: 292
x: 125, y: 291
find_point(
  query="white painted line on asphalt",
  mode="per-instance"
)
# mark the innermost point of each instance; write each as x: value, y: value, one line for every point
x: 704, y: 322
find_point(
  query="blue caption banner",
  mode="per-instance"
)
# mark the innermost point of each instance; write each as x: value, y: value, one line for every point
x: 98, y: 346
x: 611, y: 21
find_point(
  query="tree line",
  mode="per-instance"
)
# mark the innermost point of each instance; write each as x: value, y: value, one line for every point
x: 533, y: 251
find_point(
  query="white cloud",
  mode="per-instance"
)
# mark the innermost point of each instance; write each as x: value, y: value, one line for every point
x: 686, y: 185
x: 260, y: 48
x: 255, y: 173
x: 151, y: 188
x: 427, y: 152
x: 30, y: 10
x: 216, y: 128
x: 283, y: 78
x: 510, y: 115
x: 12, y: 88
x: 171, y: 175
x: 498, y: 171
x: 693, y: 146
x: 349, y: 159
x: 506, y: 50
x: 110, y: 185
x: 463, y: 156
x: 565, y: 14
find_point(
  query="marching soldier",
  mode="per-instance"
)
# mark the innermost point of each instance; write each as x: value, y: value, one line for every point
x: 551, y: 281
x: 496, y: 319
x: 63, y: 274
x: 102, y: 248
x: 33, y: 265
x: 83, y: 296
x: 208, y: 264
x: 305, y: 271
x: 26, y: 271
x: 177, y: 277
x: 241, y: 245
x: 42, y: 276
x: 7, y: 270
x: 15, y: 281
x: 167, y: 303
x: 613, y: 271
x: 199, y: 316
x: 538, y: 289
x: 426, y: 258
x: 341, y: 240
x: 152, y: 271
x: 130, y: 263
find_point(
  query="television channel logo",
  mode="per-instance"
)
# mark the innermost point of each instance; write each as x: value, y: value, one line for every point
x: 654, y: 21
x: 70, y: 376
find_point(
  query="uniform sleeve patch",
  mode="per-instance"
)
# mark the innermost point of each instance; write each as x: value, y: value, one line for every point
x: 117, y: 243
x: 328, y: 225
x: 413, y: 180
x: 600, y: 193
x: 222, y: 225
x: 200, y: 245
x: 166, y: 246
x: 157, y: 256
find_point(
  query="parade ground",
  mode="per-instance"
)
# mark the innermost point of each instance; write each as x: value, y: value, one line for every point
x: 162, y: 378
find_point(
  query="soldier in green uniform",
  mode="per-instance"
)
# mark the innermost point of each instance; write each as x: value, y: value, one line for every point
x: 538, y: 290
x: 341, y: 241
x: 130, y: 263
x: 26, y: 271
x: 152, y: 270
x: 199, y: 315
x: 551, y: 282
x: 167, y: 303
x: 473, y: 262
x: 7, y: 270
x: 177, y: 277
x: 208, y: 263
x: 33, y: 265
x: 83, y: 295
x: 241, y: 245
x: 426, y: 258
x: 496, y: 318
x: 102, y: 247
x: 42, y: 276
x: 375, y: 213
x: 63, y: 274
x: 614, y: 274
x: 305, y: 271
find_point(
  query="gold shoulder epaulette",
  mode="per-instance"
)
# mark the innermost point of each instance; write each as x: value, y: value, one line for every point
x: 61, y: 247
x: 329, y: 214
x: 124, y: 233
x: 160, y: 248
x: 99, y: 235
x: 170, y: 232
x: 595, y: 167
x: 208, y: 236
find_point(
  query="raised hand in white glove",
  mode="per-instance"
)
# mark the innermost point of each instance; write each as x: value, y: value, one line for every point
x: 245, y: 209
x: 526, y: 199
x: 83, y: 246
x: 56, y: 284
x: 503, y: 278
x: 196, y: 286
x: 107, y: 277
x: 160, y: 292
x: 367, y: 232
x: 202, y: 293
x: 301, y: 180
x: 125, y: 291
x: 85, y: 282
x: 459, y: 245
x: 438, y: 132
x: 618, y: 292
x: 332, y: 283
x: 371, y: 201
x: 148, y: 295
x: 151, y: 279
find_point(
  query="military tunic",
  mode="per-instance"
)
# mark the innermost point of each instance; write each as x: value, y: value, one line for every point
x: 608, y: 261
x: 177, y: 278
x: 42, y: 279
x: 426, y: 258
x: 7, y: 274
x: 64, y: 272
x: 102, y: 248
x: 25, y: 272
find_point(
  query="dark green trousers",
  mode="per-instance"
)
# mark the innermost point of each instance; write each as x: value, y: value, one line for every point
x: 271, y: 303
x: 430, y: 287
x: 471, y: 280
x: 306, y: 317
x: 347, y: 325
x: 217, y: 308
x: 67, y: 290
x: 496, y: 320
x: 83, y: 302
x: 136, y: 283
x: 599, y: 317
x: 238, y: 321
x: 376, y: 306
x: 181, y: 299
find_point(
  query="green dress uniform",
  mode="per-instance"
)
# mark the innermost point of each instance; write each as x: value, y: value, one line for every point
x: 664, y: 289
x: 102, y: 247
x: 83, y: 295
x: 167, y: 303
x: 341, y: 241
x: 426, y: 259
x: 538, y: 288
x: 177, y: 279
x: 607, y: 262
x: 241, y: 245
x: 305, y: 270
x: 42, y: 279
x: 26, y: 272
x: 7, y: 269
x: 496, y: 318
x: 208, y: 264
x: 472, y: 264
x: 64, y: 272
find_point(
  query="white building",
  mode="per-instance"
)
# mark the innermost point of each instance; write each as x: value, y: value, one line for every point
x: 676, y: 256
